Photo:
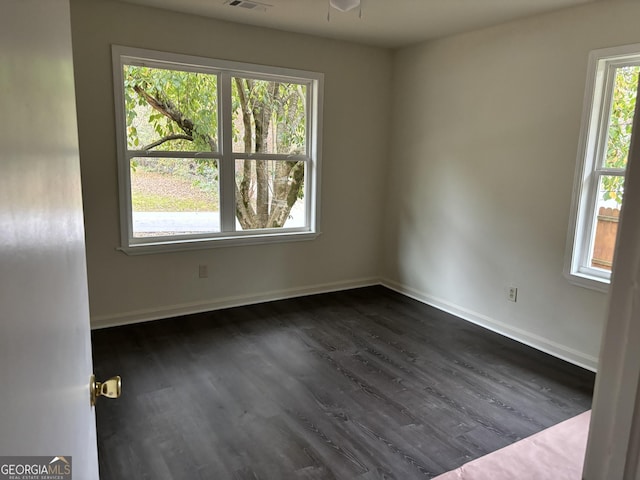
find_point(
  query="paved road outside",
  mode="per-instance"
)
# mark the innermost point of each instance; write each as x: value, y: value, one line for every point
x: 194, y: 222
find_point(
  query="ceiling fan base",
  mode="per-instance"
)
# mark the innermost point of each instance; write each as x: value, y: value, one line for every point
x: 344, y: 5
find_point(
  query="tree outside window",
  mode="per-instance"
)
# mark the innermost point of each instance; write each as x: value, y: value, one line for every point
x: 211, y: 152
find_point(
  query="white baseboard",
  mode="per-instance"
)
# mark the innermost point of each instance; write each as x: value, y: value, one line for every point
x: 168, y: 311
x: 540, y: 343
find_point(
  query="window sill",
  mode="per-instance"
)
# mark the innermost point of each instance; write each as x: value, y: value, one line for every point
x: 169, y: 246
x: 591, y: 282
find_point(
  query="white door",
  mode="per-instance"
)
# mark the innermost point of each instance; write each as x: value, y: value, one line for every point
x: 45, y: 349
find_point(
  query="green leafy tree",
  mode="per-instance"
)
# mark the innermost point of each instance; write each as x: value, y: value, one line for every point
x: 619, y: 132
x: 178, y: 111
x: 180, y: 108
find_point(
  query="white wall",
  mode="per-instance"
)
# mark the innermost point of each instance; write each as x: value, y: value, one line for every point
x: 356, y: 122
x: 484, y: 142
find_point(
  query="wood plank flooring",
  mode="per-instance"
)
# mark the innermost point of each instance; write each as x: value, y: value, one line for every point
x: 361, y: 384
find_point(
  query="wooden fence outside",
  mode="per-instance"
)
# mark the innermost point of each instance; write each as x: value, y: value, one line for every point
x: 605, y: 242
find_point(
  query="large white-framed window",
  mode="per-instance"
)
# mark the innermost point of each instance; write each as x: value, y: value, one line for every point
x: 213, y: 152
x: 605, y: 137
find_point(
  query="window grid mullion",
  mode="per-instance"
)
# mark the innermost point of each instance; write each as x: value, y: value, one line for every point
x: 308, y: 185
x: 226, y: 166
x: 269, y: 156
x: 616, y: 172
x: 169, y: 154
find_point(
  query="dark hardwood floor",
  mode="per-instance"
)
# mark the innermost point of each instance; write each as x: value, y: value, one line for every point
x: 362, y: 384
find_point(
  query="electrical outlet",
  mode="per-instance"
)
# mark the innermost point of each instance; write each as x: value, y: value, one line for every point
x: 512, y: 294
x: 203, y: 271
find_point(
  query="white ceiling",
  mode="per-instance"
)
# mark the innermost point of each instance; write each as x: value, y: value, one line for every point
x: 388, y: 23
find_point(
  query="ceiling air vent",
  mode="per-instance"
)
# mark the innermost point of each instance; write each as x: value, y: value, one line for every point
x: 248, y: 4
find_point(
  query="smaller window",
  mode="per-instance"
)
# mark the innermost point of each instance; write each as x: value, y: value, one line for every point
x: 213, y: 152
x: 602, y: 163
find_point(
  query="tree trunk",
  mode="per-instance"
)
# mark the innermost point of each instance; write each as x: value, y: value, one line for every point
x: 244, y: 210
x: 287, y: 184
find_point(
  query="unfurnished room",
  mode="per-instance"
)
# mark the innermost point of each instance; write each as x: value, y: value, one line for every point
x: 319, y: 239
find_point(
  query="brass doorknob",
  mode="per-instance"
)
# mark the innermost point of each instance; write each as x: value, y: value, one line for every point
x: 111, y: 388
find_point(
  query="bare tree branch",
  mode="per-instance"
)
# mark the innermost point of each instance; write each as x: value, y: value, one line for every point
x: 167, y: 139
